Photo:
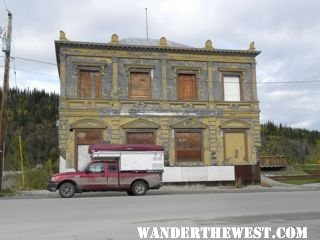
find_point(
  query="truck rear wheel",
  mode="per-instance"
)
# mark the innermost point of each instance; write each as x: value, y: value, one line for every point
x: 67, y: 190
x: 139, y: 188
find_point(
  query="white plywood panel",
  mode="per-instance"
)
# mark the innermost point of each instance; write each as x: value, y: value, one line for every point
x: 172, y: 174
x: 63, y: 165
x: 194, y: 174
x: 198, y: 174
x: 83, y: 155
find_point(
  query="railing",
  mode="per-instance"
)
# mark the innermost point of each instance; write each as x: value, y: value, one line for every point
x: 273, y: 162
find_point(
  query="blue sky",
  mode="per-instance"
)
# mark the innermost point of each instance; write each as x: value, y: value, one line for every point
x: 286, y: 32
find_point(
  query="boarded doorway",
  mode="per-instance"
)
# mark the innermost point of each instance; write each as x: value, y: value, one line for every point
x: 84, y: 138
x: 235, y: 147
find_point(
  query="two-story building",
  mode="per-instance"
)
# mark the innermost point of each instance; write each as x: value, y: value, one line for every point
x: 199, y: 103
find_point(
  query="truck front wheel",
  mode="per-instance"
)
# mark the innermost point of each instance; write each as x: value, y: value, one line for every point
x: 139, y: 188
x: 67, y: 190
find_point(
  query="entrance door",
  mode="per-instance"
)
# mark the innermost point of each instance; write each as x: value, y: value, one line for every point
x: 235, y: 147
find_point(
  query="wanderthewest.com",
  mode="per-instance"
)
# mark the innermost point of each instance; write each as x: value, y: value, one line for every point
x: 222, y: 233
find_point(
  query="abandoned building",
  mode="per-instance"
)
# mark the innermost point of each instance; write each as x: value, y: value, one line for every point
x: 199, y: 103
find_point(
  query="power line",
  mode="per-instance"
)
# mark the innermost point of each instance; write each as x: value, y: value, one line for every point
x: 5, y: 5
x: 54, y: 64
x: 290, y: 82
x: 33, y: 60
x: 40, y: 73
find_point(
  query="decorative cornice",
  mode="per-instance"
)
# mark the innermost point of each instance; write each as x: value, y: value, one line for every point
x: 88, y: 123
x: 188, y: 123
x: 109, y: 46
x: 235, y: 124
x: 140, y: 124
x: 154, y: 48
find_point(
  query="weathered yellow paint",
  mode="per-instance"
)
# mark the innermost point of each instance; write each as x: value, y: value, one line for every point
x: 235, y: 148
x: 74, y: 109
x: 115, y: 79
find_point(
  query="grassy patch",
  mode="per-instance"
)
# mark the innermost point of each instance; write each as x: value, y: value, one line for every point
x: 7, y: 192
x: 35, y: 179
x: 300, y: 181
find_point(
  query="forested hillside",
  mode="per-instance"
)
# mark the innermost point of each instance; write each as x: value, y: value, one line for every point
x: 33, y: 115
x: 298, y: 145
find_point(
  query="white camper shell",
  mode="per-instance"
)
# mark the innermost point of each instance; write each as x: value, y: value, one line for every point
x: 137, y: 157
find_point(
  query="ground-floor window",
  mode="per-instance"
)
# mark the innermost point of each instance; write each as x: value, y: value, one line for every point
x: 85, y: 137
x: 140, y: 137
x: 188, y: 144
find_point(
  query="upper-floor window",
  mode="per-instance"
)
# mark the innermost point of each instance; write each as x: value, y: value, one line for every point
x: 89, y: 84
x: 140, y: 85
x: 232, y: 88
x: 187, y: 86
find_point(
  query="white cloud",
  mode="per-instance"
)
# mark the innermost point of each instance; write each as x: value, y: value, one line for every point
x: 286, y: 31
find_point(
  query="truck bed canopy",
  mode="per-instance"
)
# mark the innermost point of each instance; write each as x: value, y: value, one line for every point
x: 124, y: 147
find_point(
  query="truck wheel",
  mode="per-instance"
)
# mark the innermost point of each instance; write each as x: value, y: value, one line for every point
x: 139, y: 188
x: 67, y: 190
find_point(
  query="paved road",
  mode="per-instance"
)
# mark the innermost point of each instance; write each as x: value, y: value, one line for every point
x: 116, y: 216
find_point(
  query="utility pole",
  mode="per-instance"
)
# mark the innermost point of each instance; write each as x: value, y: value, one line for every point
x: 6, y: 48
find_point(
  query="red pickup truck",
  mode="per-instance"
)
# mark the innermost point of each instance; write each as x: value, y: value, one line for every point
x: 128, y: 168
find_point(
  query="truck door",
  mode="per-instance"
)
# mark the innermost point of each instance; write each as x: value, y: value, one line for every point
x: 95, y: 177
x: 113, y: 175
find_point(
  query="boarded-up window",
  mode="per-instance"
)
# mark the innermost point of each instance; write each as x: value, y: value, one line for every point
x: 140, y: 138
x: 140, y: 85
x: 187, y: 87
x: 90, y: 84
x: 188, y: 146
x: 93, y: 136
x: 231, y: 87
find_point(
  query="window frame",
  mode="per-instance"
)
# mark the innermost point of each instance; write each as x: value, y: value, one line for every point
x: 89, y: 69
x: 200, y: 131
x: 187, y: 72
x: 232, y: 74
x: 140, y: 70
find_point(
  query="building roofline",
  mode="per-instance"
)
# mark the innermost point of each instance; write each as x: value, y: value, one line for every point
x: 168, y: 49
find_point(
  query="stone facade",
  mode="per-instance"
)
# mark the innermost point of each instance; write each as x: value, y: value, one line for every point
x: 163, y: 115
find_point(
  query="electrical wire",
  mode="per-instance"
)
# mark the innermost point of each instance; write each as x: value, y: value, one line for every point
x: 40, y: 73
x: 33, y: 60
x: 54, y: 64
x: 5, y: 5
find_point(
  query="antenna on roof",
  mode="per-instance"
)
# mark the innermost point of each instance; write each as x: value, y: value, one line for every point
x: 147, y: 22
